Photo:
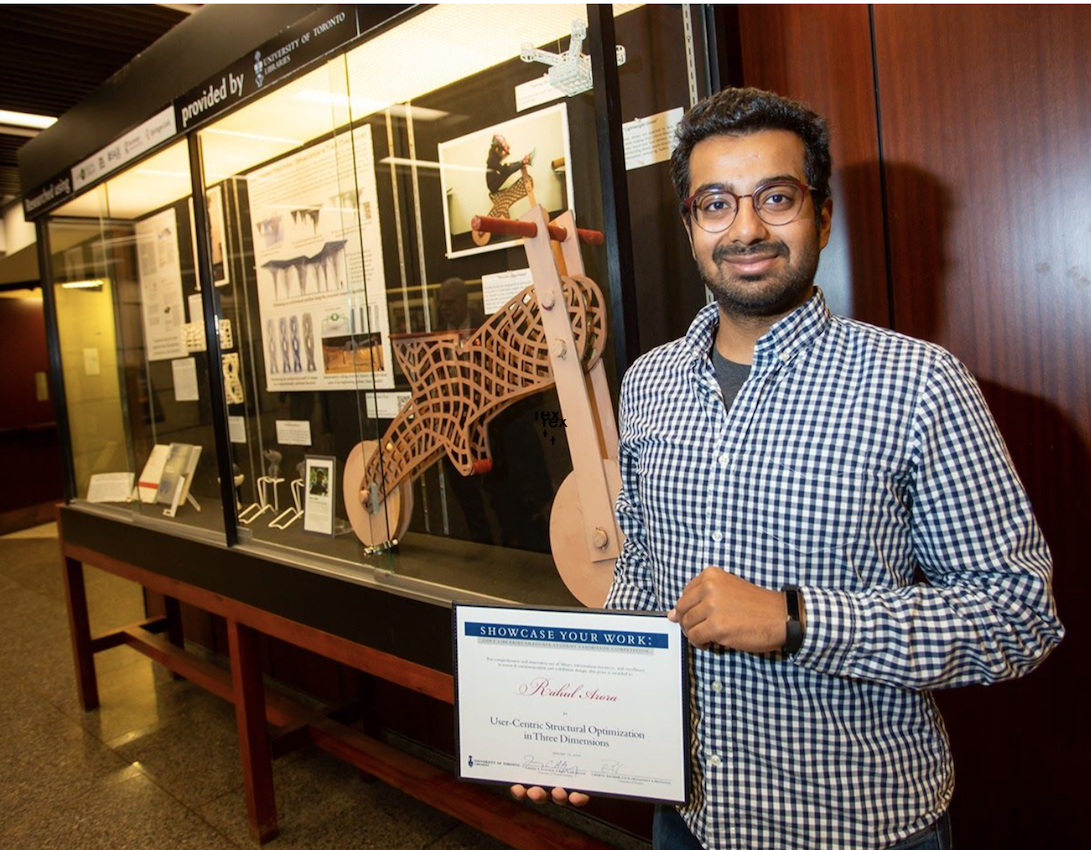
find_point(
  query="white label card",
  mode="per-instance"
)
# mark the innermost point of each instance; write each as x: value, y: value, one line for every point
x: 385, y: 405
x: 236, y: 429
x: 498, y: 289
x: 110, y: 487
x: 196, y: 308
x: 535, y: 93
x: 185, y: 379
x: 650, y: 140
x: 319, y: 490
x: 294, y: 432
x: 588, y: 700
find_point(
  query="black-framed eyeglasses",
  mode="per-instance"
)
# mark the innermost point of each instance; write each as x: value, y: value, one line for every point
x: 777, y: 203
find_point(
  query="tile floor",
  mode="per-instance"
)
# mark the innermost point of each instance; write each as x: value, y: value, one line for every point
x: 157, y: 765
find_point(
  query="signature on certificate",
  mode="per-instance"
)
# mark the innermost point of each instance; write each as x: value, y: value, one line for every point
x: 559, y: 767
x: 613, y: 767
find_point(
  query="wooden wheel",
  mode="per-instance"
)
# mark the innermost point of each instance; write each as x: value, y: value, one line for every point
x: 589, y: 581
x: 390, y: 520
x: 480, y: 237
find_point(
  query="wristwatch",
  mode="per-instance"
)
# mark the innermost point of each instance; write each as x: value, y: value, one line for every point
x: 794, y: 637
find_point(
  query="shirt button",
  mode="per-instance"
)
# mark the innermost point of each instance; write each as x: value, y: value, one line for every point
x: 717, y: 536
x: 784, y: 356
x: 717, y: 686
x: 724, y: 460
x: 715, y: 761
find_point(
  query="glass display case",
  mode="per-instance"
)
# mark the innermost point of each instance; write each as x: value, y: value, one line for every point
x: 410, y: 373
x: 130, y: 330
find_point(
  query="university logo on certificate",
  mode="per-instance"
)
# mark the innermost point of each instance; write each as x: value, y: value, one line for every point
x: 590, y: 701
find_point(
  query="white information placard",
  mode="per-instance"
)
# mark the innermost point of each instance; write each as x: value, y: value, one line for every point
x: 592, y: 701
x: 160, y: 272
x: 650, y: 140
x: 535, y: 93
x: 498, y: 289
x: 385, y: 405
x: 184, y: 372
x: 318, y: 250
x: 110, y: 487
x: 294, y: 432
x: 236, y: 429
x: 318, y: 494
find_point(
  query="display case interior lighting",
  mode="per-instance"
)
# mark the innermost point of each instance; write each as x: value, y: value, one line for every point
x: 433, y: 49
x: 258, y: 137
x: 26, y: 119
x: 255, y: 133
x: 92, y: 283
x: 450, y: 42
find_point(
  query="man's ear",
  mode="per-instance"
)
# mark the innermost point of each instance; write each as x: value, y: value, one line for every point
x: 825, y: 223
x: 689, y: 234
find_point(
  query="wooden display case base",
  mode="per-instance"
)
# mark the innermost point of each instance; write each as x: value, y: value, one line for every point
x: 257, y: 708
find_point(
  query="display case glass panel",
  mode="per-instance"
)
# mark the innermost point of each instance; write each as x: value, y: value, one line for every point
x: 367, y: 306
x: 132, y: 342
x: 292, y: 272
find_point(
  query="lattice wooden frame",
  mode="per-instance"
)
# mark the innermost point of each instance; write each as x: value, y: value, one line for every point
x: 460, y: 384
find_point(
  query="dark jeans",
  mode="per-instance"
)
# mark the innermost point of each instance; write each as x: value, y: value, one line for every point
x: 669, y: 832
x: 935, y: 837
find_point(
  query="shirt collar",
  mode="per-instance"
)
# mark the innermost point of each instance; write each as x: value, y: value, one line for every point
x: 783, y: 341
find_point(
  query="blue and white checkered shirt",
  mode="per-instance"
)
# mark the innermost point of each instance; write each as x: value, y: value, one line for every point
x: 851, y: 457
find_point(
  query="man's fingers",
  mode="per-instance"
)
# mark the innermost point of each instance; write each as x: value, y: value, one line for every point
x: 692, y: 594
x: 562, y: 797
x: 539, y: 795
x: 693, y: 618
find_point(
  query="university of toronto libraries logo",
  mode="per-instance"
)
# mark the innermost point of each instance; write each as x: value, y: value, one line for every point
x: 259, y: 77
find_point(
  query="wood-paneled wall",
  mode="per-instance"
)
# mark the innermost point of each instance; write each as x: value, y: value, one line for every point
x: 821, y: 55
x: 978, y: 119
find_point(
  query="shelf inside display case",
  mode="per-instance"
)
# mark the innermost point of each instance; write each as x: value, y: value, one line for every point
x: 428, y: 568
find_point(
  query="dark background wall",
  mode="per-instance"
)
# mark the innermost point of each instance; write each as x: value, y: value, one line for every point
x: 29, y: 451
x: 962, y: 146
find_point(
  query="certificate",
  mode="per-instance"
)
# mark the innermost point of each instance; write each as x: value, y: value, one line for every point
x: 591, y: 701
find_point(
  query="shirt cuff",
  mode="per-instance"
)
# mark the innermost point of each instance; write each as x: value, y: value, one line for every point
x: 829, y: 630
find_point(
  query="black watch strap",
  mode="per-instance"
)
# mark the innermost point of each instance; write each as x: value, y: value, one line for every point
x: 794, y: 637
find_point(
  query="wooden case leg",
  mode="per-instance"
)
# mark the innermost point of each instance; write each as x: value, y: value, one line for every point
x: 257, y: 763
x: 79, y: 627
x: 174, y: 626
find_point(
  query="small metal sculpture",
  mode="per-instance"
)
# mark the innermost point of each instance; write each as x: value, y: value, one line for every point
x: 569, y: 71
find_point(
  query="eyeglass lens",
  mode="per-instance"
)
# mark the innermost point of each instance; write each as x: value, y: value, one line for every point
x: 776, y: 204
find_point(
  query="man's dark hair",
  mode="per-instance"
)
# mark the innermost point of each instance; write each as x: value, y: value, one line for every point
x: 740, y: 112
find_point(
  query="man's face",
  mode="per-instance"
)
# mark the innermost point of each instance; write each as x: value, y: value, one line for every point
x: 755, y: 269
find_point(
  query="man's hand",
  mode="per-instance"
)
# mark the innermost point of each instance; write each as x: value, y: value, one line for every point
x: 718, y: 607
x: 558, y: 795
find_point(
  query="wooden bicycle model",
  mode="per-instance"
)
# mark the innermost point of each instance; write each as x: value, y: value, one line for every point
x: 551, y: 334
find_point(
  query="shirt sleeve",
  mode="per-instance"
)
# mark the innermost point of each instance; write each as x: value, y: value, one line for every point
x: 987, y: 613
x: 633, y: 587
